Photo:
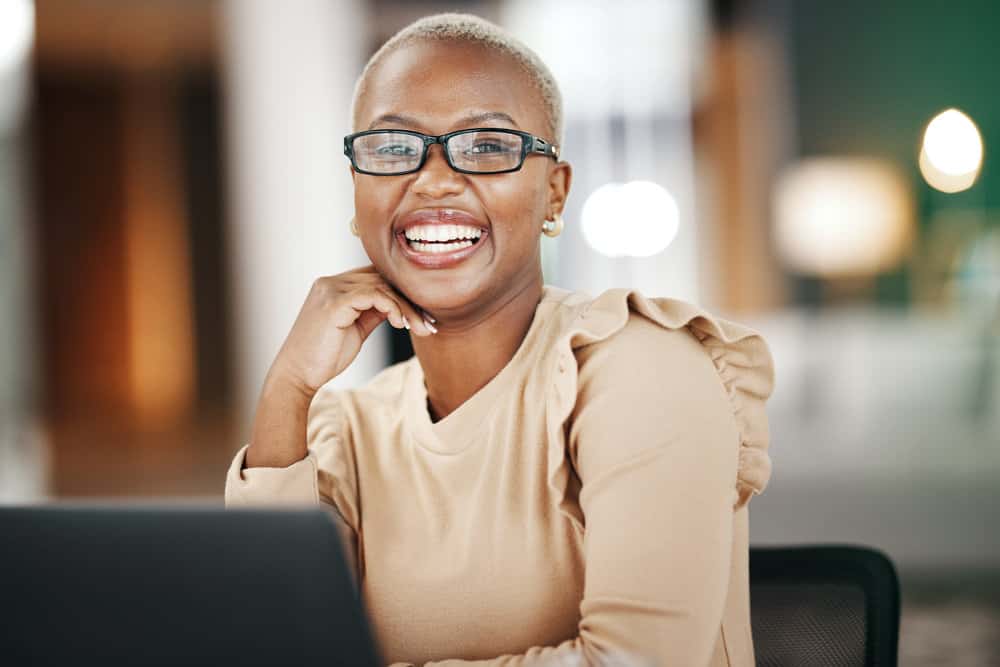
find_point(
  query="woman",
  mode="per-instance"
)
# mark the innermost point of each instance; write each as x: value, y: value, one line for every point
x: 552, y: 479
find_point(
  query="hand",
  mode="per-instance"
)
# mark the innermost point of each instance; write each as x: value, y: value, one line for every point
x: 337, y: 317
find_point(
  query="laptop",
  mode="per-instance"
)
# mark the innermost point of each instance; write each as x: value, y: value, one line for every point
x: 157, y: 585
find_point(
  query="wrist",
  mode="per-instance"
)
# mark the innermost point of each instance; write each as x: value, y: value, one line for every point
x: 281, y: 383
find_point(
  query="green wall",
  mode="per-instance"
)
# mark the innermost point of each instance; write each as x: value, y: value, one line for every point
x: 868, y: 76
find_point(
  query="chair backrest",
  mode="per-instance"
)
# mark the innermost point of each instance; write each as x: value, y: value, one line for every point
x: 823, y: 605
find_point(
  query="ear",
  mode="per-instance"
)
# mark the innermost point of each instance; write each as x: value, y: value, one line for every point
x: 560, y: 179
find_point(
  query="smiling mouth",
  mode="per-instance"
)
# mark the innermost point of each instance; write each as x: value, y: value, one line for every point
x: 437, y: 239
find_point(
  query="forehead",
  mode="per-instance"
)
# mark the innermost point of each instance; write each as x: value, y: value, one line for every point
x: 439, y: 83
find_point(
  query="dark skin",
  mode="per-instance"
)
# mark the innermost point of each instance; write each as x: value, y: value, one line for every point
x: 484, y: 306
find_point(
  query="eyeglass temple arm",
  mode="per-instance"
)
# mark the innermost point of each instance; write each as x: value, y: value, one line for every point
x: 539, y: 145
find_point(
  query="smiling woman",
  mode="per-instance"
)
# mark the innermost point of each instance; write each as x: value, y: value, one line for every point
x: 553, y: 478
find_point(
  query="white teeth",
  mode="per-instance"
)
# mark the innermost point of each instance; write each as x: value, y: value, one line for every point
x: 442, y: 232
x: 435, y: 248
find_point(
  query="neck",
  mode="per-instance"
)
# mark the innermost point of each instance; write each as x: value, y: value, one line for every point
x: 462, y: 358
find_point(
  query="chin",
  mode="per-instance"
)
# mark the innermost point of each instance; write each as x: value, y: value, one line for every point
x: 441, y: 291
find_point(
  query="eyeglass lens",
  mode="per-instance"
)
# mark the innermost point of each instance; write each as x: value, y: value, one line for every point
x: 479, y: 151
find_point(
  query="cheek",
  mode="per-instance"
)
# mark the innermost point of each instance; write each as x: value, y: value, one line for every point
x: 374, y: 202
x: 371, y: 198
x: 514, y: 204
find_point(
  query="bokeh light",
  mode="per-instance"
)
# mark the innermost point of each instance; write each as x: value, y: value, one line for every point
x: 952, y: 152
x: 839, y: 217
x: 635, y: 219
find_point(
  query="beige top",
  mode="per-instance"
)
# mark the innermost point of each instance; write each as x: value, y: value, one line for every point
x: 588, y: 506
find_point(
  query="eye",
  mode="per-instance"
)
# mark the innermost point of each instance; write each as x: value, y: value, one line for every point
x: 487, y: 147
x: 396, y: 150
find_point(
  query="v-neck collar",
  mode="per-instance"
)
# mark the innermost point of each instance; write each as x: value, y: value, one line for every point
x: 465, y: 425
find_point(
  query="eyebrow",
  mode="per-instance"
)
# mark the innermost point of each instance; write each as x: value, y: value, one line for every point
x: 471, y: 119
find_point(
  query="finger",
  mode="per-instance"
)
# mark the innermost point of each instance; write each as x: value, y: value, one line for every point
x: 367, y: 322
x: 360, y: 302
x: 386, y: 304
x: 416, y: 321
x: 414, y: 313
x: 421, y: 323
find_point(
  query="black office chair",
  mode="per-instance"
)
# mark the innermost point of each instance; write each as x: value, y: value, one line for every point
x: 823, y: 605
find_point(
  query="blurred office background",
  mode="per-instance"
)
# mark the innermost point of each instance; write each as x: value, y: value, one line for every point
x: 171, y: 182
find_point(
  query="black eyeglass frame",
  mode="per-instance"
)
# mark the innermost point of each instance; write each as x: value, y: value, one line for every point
x: 530, y: 144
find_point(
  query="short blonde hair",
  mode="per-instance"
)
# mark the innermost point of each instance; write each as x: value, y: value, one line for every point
x: 471, y: 29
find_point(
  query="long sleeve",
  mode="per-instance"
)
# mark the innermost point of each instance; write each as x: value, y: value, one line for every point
x: 323, y: 478
x: 326, y: 474
x: 290, y: 486
x: 656, y: 446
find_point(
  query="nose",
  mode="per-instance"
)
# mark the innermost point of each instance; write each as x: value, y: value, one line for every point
x: 436, y: 179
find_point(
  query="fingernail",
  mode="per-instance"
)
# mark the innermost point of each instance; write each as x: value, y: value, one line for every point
x: 430, y: 326
x: 428, y: 317
x: 405, y: 322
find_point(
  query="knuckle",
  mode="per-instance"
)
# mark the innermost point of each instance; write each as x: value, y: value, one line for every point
x: 322, y: 285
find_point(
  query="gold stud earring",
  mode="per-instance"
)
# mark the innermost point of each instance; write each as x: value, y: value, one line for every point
x: 354, y: 227
x: 553, y: 228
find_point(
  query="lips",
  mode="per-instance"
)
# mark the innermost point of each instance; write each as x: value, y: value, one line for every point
x: 431, y: 230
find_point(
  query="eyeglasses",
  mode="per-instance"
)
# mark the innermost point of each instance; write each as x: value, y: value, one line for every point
x: 480, y: 150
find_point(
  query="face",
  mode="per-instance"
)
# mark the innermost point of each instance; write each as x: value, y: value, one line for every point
x: 437, y: 88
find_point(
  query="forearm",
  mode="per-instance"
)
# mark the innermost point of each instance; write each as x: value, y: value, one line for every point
x: 278, y: 438
x: 294, y: 437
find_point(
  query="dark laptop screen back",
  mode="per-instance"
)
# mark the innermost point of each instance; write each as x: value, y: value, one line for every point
x: 159, y: 586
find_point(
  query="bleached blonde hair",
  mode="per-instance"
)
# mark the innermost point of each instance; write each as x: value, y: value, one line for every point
x: 471, y: 29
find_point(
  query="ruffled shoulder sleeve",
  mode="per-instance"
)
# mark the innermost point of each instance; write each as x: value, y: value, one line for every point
x: 740, y: 357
